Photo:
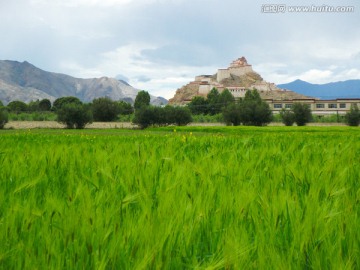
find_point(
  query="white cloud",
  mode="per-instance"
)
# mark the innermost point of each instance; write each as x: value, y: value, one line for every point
x: 163, y: 80
x: 350, y: 74
x: 316, y: 76
x: 162, y: 44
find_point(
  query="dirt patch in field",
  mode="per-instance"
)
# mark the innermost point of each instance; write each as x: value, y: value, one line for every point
x: 54, y: 124
x: 110, y: 125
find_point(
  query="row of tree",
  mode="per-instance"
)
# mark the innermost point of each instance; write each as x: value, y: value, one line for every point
x: 104, y: 109
x: 250, y: 110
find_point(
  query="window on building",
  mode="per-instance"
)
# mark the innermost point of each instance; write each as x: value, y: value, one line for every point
x: 332, y: 105
x: 277, y: 106
x: 342, y: 105
x: 320, y: 106
x: 288, y: 106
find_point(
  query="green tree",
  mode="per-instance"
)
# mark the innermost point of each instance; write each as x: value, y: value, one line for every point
x: 4, y: 117
x: 104, y: 109
x: 253, y: 110
x: 45, y: 105
x: 74, y: 115
x: 162, y: 116
x: 214, y: 104
x: 125, y: 108
x: 302, y: 113
x: 352, y: 118
x: 17, y: 106
x: 58, y: 103
x: 226, y: 98
x: 232, y: 115
x: 1, y: 104
x: 33, y: 106
x: 142, y: 100
x: 287, y: 117
x: 198, y: 105
x: 181, y: 116
x: 144, y: 116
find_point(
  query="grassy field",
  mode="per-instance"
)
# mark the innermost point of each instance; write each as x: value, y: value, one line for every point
x: 184, y: 198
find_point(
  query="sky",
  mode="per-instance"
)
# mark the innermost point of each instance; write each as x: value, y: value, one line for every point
x: 161, y: 45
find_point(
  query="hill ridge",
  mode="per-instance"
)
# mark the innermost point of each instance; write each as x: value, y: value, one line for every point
x: 26, y: 82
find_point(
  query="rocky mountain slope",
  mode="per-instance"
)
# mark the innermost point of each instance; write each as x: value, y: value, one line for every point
x: 25, y: 82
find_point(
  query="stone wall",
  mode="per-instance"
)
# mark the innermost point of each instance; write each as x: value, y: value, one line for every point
x: 204, y: 89
x: 238, y: 71
x: 222, y: 74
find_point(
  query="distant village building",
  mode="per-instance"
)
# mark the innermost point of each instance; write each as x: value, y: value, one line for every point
x: 318, y: 106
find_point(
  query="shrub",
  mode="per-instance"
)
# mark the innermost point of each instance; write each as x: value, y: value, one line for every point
x: 33, y: 106
x: 125, y: 108
x: 74, y: 115
x: 17, y: 106
x: 58, y: 103
x: 144, y: 117
x: 352, y: 118
x: 198, y: 105
x: 302, y: 113
x: 181, y: 116
x: 213, y: 99
x: 4, y: 117
x: 142, y: 100
x: 232, y: 115
x: 287, y: 117
x: 104, y: 109
x: 151, y: 116
x: 45, y: 105
x: 253, y: 110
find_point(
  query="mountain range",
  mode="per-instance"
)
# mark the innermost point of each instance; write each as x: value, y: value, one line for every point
x: 25, y: 82
x: 344, y: 89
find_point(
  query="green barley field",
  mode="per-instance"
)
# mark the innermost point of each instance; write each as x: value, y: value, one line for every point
x: 189, y: 198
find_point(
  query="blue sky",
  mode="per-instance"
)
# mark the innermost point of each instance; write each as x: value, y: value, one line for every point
x: 160, y: 45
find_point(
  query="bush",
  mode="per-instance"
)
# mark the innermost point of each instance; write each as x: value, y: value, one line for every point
x: 302, y: 113
x: 4, y: 117
x: 125, y: 108
x: 33, y: 106
x: 144, y: 117
x: 45, y: 105
x: 352, y: 118
x: 287, y: 117
x: 142, y: 100
x: 180, y: 116
x: 58, y: 103
x: 158, y: 116
x: 74, y: 115
x: 232, y: 115
x: 17, y: 106
x: 253, y: 110
x: 104, y: 109
x: 198, y: 105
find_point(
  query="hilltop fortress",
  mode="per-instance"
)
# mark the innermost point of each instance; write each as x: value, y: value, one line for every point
x: 237, y: 78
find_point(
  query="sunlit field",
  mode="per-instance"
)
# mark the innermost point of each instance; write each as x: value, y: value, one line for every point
x: 180, y: 198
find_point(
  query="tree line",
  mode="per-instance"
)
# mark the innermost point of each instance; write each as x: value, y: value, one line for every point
x: 250, y: 110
